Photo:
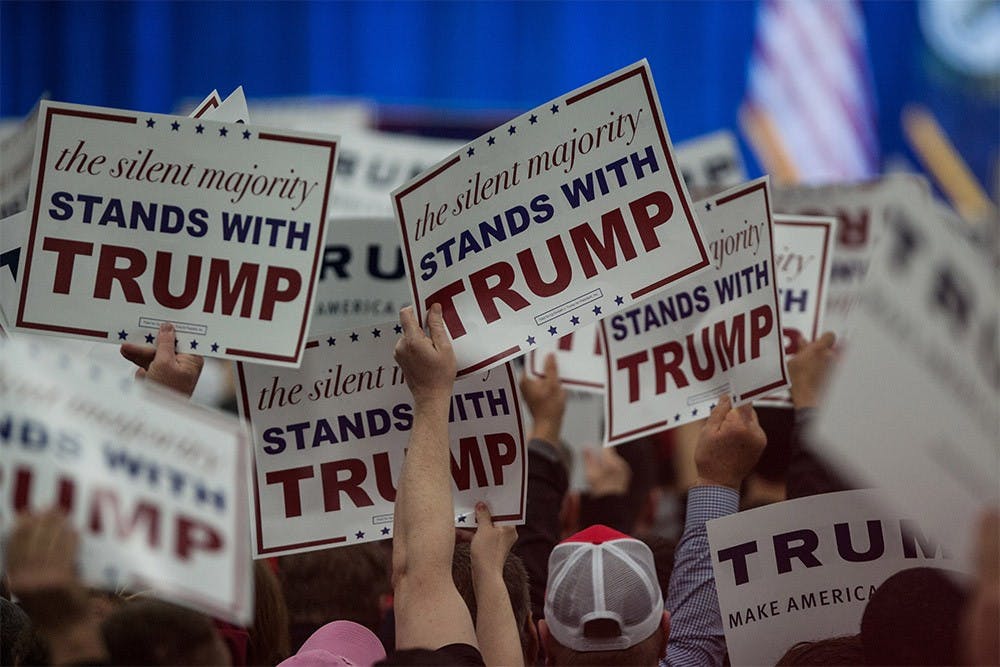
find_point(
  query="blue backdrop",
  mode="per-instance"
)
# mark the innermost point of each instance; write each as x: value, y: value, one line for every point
x: 455, y: 55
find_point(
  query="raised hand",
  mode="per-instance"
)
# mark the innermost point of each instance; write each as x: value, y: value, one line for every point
x: 162, y: 364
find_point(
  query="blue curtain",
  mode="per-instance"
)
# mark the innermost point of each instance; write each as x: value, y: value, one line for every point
x: 455, y: 55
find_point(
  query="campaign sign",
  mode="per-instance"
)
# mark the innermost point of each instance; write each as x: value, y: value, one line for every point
x: 155, y: 486
x: 143, y: 218
x: 330, y: 438
x: 579, y: 356
x: 914, y: 402
x: 567, y: 214
x: 362, y: 277
x: 670, y: 357
x: 711, y: 161
x: 861, y: 210
x: 12, y: 237
x: 804, y: 569
x: 802, y: 248
x: 15, y: 171
x: 373, y: 164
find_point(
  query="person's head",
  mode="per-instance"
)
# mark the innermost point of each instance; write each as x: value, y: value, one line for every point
x: 603, y: 605
x: 515, y: 578
x: 269, y: 641
x: 338, y: 644
x: 152, y: 632
x: 913, y: 619
x: 833, y: 651
x: 342, y: 584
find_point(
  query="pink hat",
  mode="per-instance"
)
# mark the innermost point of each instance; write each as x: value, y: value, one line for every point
x: 603, y: 594
x: 340, y: 643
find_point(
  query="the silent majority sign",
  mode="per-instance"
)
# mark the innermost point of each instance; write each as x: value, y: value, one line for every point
x: 566, y: 214
x: 136, y: 219
x: 330, y: 439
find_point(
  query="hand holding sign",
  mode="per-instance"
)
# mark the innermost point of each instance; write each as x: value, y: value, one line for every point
x: 162, y: 364
x: 546, y: 401
x: 809, y: 369
x: 41, y: 555
x: 729, y: 445
x: 427, y: 362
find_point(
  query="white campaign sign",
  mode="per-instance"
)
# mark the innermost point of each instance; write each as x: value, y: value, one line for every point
x: 17, y: 149
x: 671, y: 356
x: 362, y: 278
x: 579, y: 357
x: 330, y: 439
x: 156, y: 487
x: 373, y: 164
x: 803, y: 246
x: 141, y: 218
x: 568, y: 213
x: 861, y: 210
x: 804, y: 569
x: 914, y: 404
x: 711, y: 161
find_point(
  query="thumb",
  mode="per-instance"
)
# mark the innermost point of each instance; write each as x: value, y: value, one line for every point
x: 483, y: 516
x: 165, y: 342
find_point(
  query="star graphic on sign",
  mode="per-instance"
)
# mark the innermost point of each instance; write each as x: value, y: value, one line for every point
x: 200, y: 129
x: 150, y: 122
x: 712, y: 406
x: 174, y: 126
x: 331, y: 341
x: 398, y: 329
x: 491, y: 141
x: 385, y: 531
x: 376, y: 333
x: 597, y: 310
x: 360, y: 534
x: 533, y: 119
x: 708, y: 206
x: 122, y: 335
x: 223, y: 131
x: 246, y: 134
x: 150, y: 338
x: 215, y: 347
x: 694, y: 412
x: 530, y: 340
x: 553, y: 331
x: 511, y: 130
x: 619, y: 301
x: 354, y: 338
x: 554, y: 108
x: 194, y: 345
x: 471, y: 151
x: 574, y: 320
x: 677, y: 418
x: 461, y: 518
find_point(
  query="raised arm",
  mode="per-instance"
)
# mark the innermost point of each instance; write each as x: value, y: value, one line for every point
x: 496, y: 626
x: 430, y: 613
x: 729, y: 445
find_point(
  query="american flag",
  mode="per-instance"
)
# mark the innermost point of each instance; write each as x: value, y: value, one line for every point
x: 809, y: 81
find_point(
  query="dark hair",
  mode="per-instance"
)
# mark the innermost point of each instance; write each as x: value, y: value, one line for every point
x: 342, y: 584
x: 913, y: 619
x: 152, y: 632
x: 515, y: 578
x: 846, y: 650
x: 269, y: 641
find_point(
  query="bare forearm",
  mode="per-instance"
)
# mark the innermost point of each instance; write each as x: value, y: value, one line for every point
x: 496, y: 627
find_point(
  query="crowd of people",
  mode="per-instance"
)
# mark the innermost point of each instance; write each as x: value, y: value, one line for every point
x: 608, y: 576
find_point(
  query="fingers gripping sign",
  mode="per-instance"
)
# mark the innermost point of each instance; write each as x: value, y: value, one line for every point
x: 427, y: 361
x: 729, y: 445
x: 162, y: 363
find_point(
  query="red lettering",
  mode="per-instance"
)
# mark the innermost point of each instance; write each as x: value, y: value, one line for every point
x: 586, y: 244
x: 469, y: 459
x: 487, y: 296
x: 446, y: 297
x: 761, y: 323
x: 631, y: 363
x: 272, y: 294
x: 383, y: 477
x: 23, y: 478
x: 647, y: 222
x: 230, y: 292
x: 67, y: 251
x: 161, y: 281
x: 123, y: 527
x: 497, y: 459
x: 108, y: 272
x: 195, y: 535
x: 333, y: 486
x: 705, y: 372
x: 529, y: 269
x: 289, y: 480
x: 661, y: 369
x: 730, y: 348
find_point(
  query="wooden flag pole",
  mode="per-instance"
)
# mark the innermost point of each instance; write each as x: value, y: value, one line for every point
x: 764, y: 140
x: 938, y: 155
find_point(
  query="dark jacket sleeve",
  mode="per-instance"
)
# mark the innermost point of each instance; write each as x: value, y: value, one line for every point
x: 547, y: 484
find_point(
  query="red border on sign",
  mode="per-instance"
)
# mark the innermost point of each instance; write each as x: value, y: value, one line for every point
x: 642, y: 71
x: 210, y: 103
x: 613, y: 437
x: 258, y: 521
